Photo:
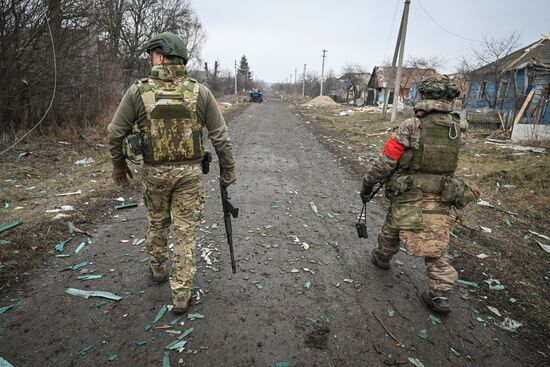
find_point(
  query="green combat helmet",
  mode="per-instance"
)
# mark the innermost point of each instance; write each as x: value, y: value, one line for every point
x: 438, y: 86
x: 170, y: 44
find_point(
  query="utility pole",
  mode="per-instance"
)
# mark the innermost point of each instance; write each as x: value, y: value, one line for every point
x: 393, y: 64
x: 304, y: 82
x: 235, y: 77
x: 396, y: 88
x: 323, y: 71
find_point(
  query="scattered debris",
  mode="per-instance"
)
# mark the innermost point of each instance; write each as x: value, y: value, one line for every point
x: 4, y: 363
x: 166, y: 360
x: 305, y: 246
x: 455, y: 352
x: 540, y: 235
x: 15, y: 304
x: 509, y: 324
x: 88, y: 294
x: 70, y: 193
x: 494, y: 310
x: 113, y: 357
x: 494, y: 285
x: 80, y: 247
x: 85, y: 351
x: 259, y: 285
x: 10, y: 226
x: 348, y: 280
x: 176, y: 345
x: 307, y: 285
x: 214, y: 225
x: 422, y: 334
x: 195, y: 316
x: 63, y: 208
x: 415, y: 362
x: 486, y: 229
x: 160, y: 314
x: 85, y: 161
x: 385, y: 328
x: 76, y: 266
x: 126, y: 206
x: 313, y: 207
x: 467, y: 283
x: 546, y: 248
x: 482, y: 256
x: 281, y: 364
x: 4, y: 242
x: 435, y: 320
x: 90, y: 277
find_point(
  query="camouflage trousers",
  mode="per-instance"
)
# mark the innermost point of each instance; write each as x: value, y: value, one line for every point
x: 441, y: 274
x: 174, y: 195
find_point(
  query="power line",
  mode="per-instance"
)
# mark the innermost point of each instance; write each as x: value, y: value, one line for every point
x: 390, y: 31
x: 445, y: 29
x: 53, y: 94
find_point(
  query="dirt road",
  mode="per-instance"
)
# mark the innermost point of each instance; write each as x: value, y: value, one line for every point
x: 320, y: 304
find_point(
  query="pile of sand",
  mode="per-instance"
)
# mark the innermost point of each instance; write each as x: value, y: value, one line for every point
x: 321, y: 101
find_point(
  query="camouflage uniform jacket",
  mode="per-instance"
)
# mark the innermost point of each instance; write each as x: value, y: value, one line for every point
x: 405, y: 137
x: 131, y: 110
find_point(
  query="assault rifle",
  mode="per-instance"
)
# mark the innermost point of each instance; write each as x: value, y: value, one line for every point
x: 229, y: 210
x: 361, y: 224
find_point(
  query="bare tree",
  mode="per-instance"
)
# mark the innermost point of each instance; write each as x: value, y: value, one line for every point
x: 355, y: 81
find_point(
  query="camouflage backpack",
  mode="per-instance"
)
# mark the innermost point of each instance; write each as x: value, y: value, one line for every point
x: 172, y: 133
x: 438, y: 86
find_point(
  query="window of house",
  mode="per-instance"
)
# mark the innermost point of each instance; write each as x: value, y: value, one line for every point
x: 502, y: 90
x: 482, y: 89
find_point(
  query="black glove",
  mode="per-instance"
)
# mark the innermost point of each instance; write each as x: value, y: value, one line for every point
x: 365, y: 193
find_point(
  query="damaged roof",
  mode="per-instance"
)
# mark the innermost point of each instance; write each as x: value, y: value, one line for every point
x: 382, y: 74
x: 535, y: 54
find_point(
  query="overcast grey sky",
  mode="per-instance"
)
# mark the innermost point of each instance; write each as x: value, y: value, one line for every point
x: 278, y: 36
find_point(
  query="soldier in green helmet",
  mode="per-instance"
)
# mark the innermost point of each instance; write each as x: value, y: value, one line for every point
x: 170, y: 110
x: 417, y: 165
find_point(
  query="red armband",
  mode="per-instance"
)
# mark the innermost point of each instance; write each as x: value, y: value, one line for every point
x: 393, y: 149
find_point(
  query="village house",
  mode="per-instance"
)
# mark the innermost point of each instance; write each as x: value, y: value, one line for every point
x: 381, y: 79
x: 513, y: 90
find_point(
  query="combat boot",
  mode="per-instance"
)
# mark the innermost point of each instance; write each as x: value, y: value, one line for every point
x: 159, y: 273
x: 435, y: 303
x: 181, y: 303
x: 381, y: 261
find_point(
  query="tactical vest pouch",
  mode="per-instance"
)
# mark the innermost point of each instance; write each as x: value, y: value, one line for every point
x: 427, y: 183
x: 132, y: 148
x: 406, y: 210
x: 454, y: 191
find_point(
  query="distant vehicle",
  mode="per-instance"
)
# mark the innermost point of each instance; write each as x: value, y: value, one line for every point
x: 256, y: 95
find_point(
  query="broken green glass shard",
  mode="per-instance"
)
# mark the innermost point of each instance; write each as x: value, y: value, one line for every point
x: 166, y: 360
x: 126, y: 206
x: 91, y: 277
x: 5, y: 309
x: 161, y: 312
x: 80, y: 247
x: 176, y: 344
x: 147, y: 327
x: 186, y: 333
x: 195, y: 316
x: 113, y: 357
x: 60, y: 247
x: 141, y: 343
x: 85, y: 350
x: 467, y: 283
x: 422, y: 334
x: 88, y: 294
x: 99, y: 304
x: 10, y: 226
x: 435, y: 320
x: 4, y: 242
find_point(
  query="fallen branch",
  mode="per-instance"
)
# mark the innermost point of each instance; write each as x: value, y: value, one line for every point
x: 396, y: 310
x: 385, y: 328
